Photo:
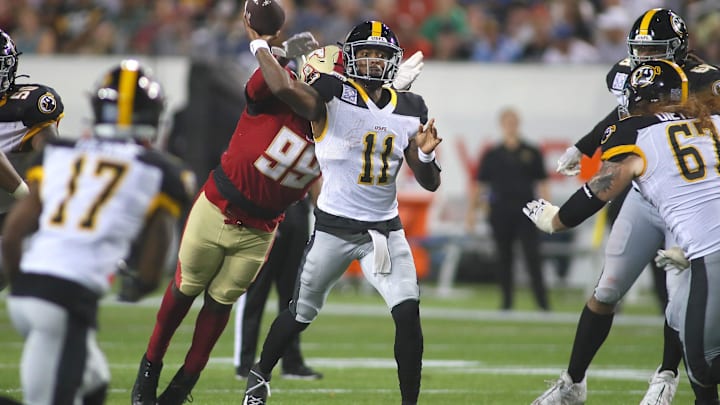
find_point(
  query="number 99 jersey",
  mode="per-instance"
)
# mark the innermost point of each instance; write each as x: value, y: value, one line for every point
x: 96, y: 196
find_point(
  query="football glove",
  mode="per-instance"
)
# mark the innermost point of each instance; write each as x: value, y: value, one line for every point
x: 299, y: 45
x: 672, y: 259
x: 569, y: 163
x: 541, y: 212
x: 408, y: 71
x: 131, y: 287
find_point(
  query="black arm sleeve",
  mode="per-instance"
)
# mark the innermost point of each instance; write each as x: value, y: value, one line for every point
x: 590, y: 142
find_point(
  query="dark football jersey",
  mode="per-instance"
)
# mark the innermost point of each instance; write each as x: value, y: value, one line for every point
x: 270, y: 159
x: 702, y: 77
x: 24, y: 111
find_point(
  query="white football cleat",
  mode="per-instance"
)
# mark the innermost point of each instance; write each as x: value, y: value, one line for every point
x: 661, y: 391
x: 564, y: 392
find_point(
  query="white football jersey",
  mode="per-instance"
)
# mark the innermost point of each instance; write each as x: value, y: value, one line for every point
x: 682, y: 173
x: 361, y: 149
x: 96, y: 196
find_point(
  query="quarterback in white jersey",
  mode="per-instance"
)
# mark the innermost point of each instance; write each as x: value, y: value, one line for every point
x: 89, y: 201
x: 669, y: 148
x: 363, y: 131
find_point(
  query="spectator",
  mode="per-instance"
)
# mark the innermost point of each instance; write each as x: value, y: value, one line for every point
x: 30, y: 36
x: 521, y: 162
x: 567, y: 49
x: 612, y: 27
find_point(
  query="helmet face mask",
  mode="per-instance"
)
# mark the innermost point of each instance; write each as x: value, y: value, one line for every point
x: 658, y: 34
x: 127, y: 103
x: 371, y: 52
x: 8, y: 62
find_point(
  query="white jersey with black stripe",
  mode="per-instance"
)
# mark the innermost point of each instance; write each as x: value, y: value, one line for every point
x: 96, y: 197
x: 682, y: 174
x: 361, y: 149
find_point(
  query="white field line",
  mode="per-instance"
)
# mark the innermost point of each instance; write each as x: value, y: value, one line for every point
x: 428, y: 312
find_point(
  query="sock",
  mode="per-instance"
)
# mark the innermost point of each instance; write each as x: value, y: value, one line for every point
x: 209, y: 326
x: 283, y: 330
x: 672, y: 350
x: 592, y: 330
x: 408, y: 349
x: 171, y: 313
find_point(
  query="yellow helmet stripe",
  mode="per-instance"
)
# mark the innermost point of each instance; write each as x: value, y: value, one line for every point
x: 126, y: 95
x: 376, y: 28
x: 683, y: 77
x: 645, y: 23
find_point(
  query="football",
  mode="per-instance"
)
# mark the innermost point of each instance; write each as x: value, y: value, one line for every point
x: 266, y: 17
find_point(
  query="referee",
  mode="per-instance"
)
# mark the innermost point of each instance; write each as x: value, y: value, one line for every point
x: 508, y: 176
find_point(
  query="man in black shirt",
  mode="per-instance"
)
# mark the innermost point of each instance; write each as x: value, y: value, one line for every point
x: 508, y: 174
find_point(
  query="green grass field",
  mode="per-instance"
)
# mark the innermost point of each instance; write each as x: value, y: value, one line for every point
x: 473, y: 353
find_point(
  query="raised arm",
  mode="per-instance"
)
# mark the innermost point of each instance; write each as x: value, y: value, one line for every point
x: 302, y: 98
x: 420, y: 156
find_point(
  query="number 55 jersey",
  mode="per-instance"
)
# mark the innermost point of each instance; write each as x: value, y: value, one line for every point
x: 682, y: 172
x: 96, y: 197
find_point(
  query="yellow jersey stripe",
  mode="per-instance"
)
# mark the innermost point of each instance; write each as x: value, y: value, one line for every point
x: 34, y: 173
x: 623, y: 149
x: 163, y: 200
x: 126, y: 96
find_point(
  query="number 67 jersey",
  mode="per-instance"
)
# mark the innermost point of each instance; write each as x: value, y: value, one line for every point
x: 681, y: 177
x: 96, y: 197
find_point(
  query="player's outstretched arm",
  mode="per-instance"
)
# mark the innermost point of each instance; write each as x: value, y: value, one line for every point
x: 420, y: 156
x: 303, y: 99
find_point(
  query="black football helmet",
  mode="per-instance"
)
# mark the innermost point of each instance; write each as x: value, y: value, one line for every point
x: 660, y: 81
x: 658, y: 34
x: 128, y: 103
x: 8, y: 62
x: 376, y: 35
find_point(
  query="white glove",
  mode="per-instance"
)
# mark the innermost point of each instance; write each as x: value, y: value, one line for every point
x: 672, y: 258
x: 541, y: 212
x: 569, y: 162
x: 297, y: 45
x: 408, y: 71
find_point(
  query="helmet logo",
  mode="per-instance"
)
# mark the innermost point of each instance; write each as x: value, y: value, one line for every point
x: 716, y: 88
x: 678, y: 25
x: 645, y: 75
x: 380, y: 39
x: 47, y: 103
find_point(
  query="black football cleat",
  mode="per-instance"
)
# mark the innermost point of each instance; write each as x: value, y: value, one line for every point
x: 178, y: 391
x: 145, y: 388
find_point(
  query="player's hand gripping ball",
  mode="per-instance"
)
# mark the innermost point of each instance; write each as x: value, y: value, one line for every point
x: 266, y: 17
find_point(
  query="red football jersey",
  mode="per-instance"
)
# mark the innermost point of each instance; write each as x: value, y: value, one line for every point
x: 270, y: 158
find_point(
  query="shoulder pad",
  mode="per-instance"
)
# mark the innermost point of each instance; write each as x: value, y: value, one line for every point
x: 39, y: 103
x: 624, y: 132
x: 328, y: 85
x: 617, y: 75
x: 178, y: 180
x: 411, y: 104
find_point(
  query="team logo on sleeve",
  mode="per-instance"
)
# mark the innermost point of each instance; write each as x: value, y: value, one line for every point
x: 608, y: 132
x: 619, y: 81
x: 47, y: 103
x: 349, y: 94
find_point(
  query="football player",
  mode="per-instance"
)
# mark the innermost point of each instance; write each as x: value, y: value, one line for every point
x: 363, y: 131
x: 29, y: 115
x: 668, y: 148
x: 638, y: 231
x: 88, y: 201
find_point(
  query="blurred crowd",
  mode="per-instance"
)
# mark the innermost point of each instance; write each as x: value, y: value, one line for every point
x: 506, y: 31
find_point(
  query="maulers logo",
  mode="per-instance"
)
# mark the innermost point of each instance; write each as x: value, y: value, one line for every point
x: 678, y: 25
x: 608, y: 132
x: 645, y: 75
x: 716, y: 88
x: 47, y: 103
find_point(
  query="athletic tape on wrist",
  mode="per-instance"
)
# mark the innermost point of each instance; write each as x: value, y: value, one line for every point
x: 257, y: 44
